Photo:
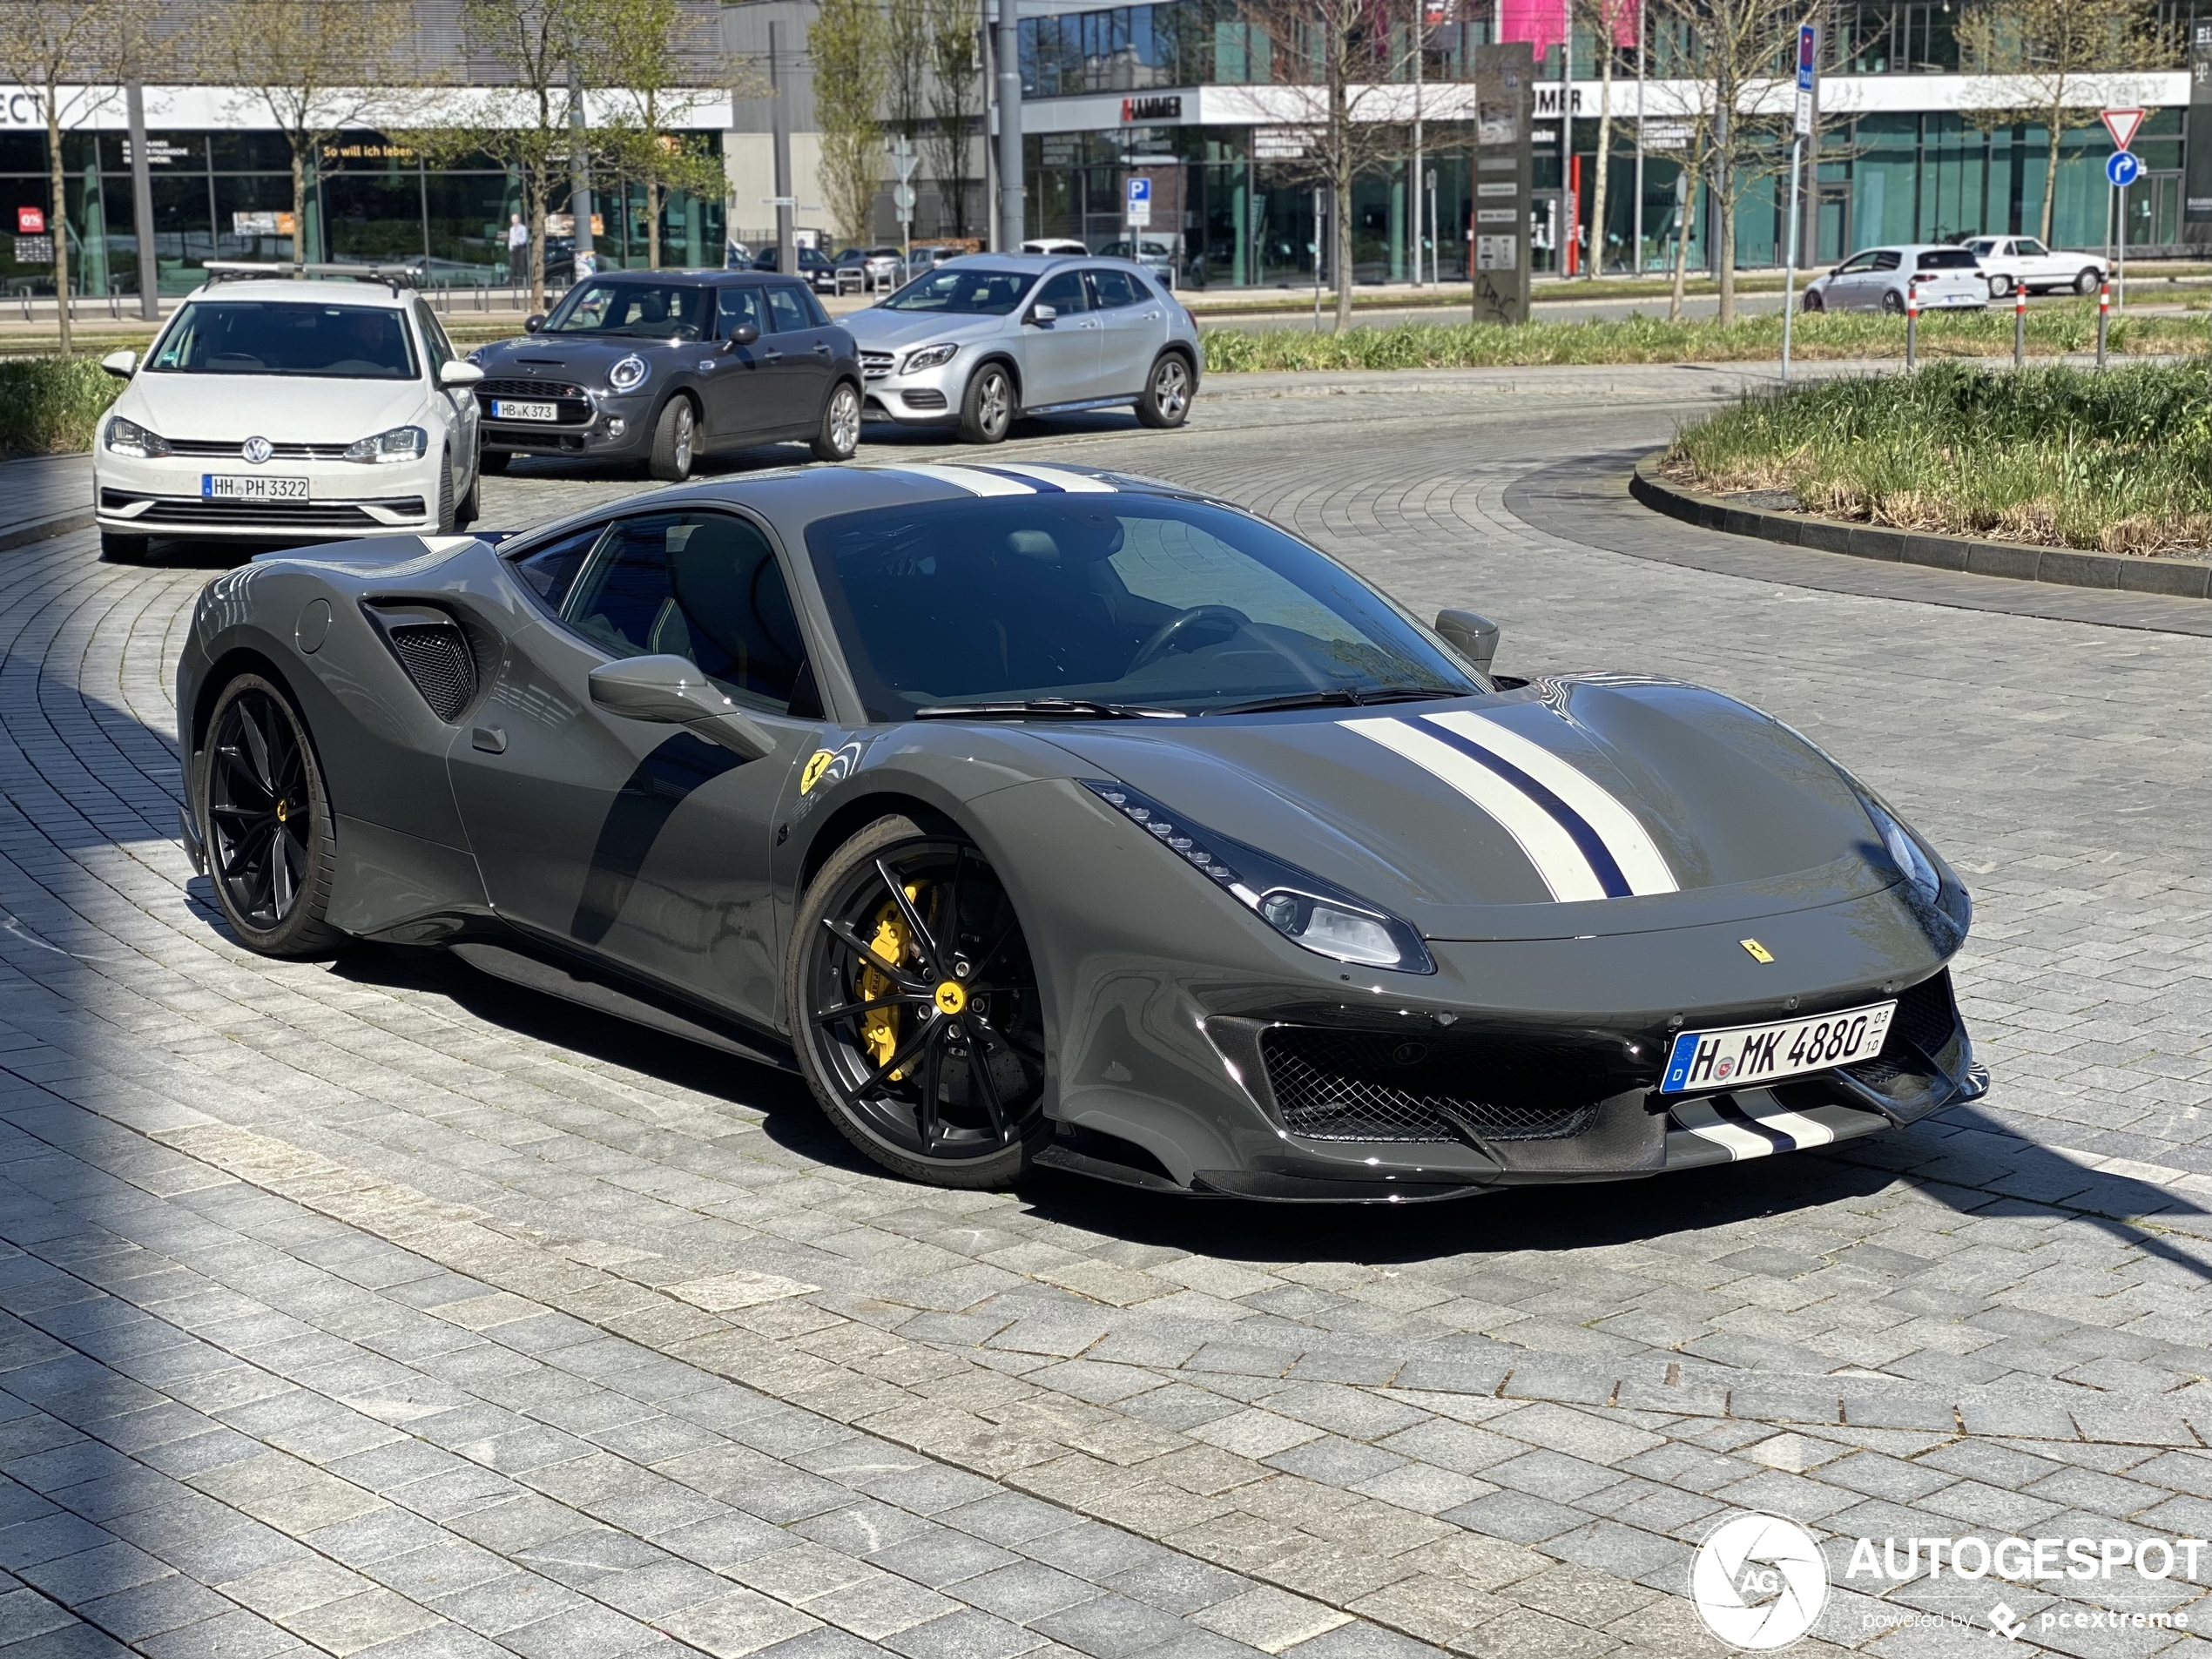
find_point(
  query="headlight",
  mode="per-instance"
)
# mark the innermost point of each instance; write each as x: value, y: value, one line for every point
x: 401, y: 443
x: 928, y: 357
x: 628, y: 374
x: 128, y: 438
x: 1315, y: 914
x: 1906, y: 853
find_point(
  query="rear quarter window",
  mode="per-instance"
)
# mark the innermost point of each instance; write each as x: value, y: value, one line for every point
x: 1948, y: 258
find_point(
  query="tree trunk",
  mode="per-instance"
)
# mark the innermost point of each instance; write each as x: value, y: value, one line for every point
x: 1340, y: 185
x: 652, y: 224
x: 298, y: 204
x: 1724, y: 221
x: 1604, y: 143
x: 2051, y: 172
x: 58, y: 223
x: 534, y: 204
x: 1692, y: 173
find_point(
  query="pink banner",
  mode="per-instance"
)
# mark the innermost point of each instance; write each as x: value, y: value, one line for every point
x: 1542, y: 22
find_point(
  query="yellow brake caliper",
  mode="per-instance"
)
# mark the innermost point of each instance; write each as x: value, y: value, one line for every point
x: 880, y: 1027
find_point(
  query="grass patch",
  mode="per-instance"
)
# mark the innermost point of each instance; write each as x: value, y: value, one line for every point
x: 2051, y: 330
x: 2053, y: 455
x: 49, y: 405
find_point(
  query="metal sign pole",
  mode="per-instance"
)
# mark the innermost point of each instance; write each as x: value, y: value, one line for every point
x: 1807, y: 43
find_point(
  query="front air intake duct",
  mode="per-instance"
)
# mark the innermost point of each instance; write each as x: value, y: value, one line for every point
x: 435, y: 653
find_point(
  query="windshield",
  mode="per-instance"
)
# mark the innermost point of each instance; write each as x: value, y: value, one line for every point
x: 643, y: 310
x: 1948, y: 258
x: 287, y: 337
x: 969, y: 291
x: 1128, y: 600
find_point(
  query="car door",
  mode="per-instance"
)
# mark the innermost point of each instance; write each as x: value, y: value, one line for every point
x: 1881, y: 276
x: 458, y: 401
x: 798, y: 355
x: 1132, y: 327
x: 2034, y: 262
x: 1843, y: 282
x: 638, y: 841
x: 732, y: 377
x: 1060, y: 358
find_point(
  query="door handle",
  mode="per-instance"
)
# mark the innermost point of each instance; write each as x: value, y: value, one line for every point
x: 821, y: 347
x: 772, y: 356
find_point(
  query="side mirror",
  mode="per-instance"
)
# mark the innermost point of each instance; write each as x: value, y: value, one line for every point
x: 459, y: 373
x: 121, y: 364
x: 743, y: 335
x: 1474, y: 637
x: 671, y: 691
x: 1043, y: 316
x: 535, y: 322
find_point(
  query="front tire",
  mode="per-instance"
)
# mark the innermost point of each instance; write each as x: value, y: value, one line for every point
x: 1813, y: 302
x: 840, y: 434
x: 446, y: 504
x: 1166, y: 401
x: 987, y: 407
x: 1999, y: 287
x: 470, y: 506
x: 2088, y: 282
x: 675, y: 439
x: 124, y: 550
x: 265, y: 820
x: 914, y: 1010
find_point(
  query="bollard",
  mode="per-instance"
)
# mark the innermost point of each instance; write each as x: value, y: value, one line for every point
x: 2019, y: 325
x: 1911, y: 321
x: 2104, y: 316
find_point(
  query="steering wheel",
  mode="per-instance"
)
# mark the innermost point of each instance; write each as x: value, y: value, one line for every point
x: 1156, y: 647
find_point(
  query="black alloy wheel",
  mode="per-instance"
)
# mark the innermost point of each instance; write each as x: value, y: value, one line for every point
x: 266, y: 820
x: 1893, y: 302
x: 915, y: 1008
x: 1813, y: 302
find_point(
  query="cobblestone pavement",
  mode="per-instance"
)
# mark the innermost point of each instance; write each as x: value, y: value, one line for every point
x: 382, y: 1309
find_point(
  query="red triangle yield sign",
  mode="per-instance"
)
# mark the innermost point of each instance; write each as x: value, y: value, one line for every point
x: 2122, y: 124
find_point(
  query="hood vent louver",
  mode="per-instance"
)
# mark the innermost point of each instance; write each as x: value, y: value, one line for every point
x: 434, y: 651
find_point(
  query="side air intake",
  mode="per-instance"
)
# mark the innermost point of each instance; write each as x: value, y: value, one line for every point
x: 435, y: 652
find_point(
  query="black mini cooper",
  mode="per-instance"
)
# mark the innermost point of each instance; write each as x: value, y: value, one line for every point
x: 663, y: 367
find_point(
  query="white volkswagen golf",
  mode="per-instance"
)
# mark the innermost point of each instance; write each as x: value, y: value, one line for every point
x: 270, y: 409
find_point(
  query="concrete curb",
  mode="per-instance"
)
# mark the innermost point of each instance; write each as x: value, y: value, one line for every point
x: 2063, y: 566
x: 40, y: 529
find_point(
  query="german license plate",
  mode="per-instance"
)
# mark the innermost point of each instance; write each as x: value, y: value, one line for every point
x: 1746, y: 1055
x: 225, y: 486
x: 505, y: 410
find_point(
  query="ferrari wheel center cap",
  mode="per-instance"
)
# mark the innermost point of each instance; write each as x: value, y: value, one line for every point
x: 952, y: 997
x: 282, y: 812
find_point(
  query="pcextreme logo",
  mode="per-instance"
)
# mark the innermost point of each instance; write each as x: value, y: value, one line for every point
x: 1759, y: 1582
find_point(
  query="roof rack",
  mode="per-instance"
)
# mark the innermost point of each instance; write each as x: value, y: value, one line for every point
x: 393, y: 276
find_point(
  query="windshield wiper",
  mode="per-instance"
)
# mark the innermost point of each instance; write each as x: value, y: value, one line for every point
x: 1066, y: 708
x: 1336, y: 697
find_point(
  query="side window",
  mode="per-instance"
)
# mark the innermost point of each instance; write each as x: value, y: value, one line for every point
x: 784, y: 307
x: 1887, y: 261
x: 436, y: 346
x: 1112, y: 289
x: 1854, y: 265
x: 1065, y: 293
x: 551, y: 567
x: 814, y: 312
x: 735, y: 306
x: 2031, y: 249
x: 705, y: 586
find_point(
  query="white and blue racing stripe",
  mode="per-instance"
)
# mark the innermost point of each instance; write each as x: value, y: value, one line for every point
x: 1013, y: 479
x: 1582, y: 841
x: 1050, y: 479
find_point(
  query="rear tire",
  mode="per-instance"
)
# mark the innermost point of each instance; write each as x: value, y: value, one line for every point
x: 839, y: 437
x: 961, y: 1019
x: 675, y: 440
x: 1893, y: 302
x: 987, y: 407
x: 1166, y: 401
x: 124, y: 550
x: 494, y: 460
x: 2088, y: 282
x: 265, y: 820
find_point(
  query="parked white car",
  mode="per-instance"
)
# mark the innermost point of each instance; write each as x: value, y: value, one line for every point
x: 271, y: 409
x: 2021, y: 261
x: 1159, y: 254
x: 1878, y: 279
x: 1066, y: 246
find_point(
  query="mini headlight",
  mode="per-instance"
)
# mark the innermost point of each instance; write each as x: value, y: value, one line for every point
x: 628, y: 375
x: 1306, y: 910
x: 1906, y: 853
x: 128, y: 438
x: 928, y: 357
x: 401, y: 443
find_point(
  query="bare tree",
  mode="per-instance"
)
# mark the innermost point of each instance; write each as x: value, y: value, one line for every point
x: 1606, y: 19
x: 1337, y: 63
x: 2056, y: 63
x: 846, y: 43
x: 317, y: 67
x: 956, y: 100
x: 71, y: 54
x: 644, y: 61
x: 905, y: 67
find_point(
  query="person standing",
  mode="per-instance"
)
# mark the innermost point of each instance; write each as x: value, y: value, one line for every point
x: 518, y: 251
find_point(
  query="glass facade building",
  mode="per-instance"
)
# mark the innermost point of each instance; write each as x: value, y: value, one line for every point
x: 227, y: 195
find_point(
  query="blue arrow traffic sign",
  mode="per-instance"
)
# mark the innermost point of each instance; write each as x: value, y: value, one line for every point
x: 2122, y: 168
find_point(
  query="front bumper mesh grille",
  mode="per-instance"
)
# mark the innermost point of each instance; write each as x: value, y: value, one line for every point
x: 184, y: 512
x: 1923, y: 1040
x: 1342, y: 1085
